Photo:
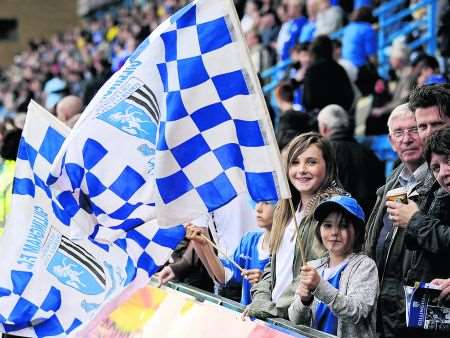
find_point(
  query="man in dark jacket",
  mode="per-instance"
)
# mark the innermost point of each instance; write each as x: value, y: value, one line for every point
x: 325, y: 82
x: 359, y: 170
x: 385, y: 242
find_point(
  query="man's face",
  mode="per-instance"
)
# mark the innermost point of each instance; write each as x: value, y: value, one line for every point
x: 428, y: 120
x: 405, y: 139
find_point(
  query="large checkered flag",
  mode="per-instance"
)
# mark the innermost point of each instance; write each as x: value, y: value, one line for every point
x: 183, y: 126
x: 50, y: 282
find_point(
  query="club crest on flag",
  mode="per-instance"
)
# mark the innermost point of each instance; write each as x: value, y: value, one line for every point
x: 132, y: 116
x: 73, y: 266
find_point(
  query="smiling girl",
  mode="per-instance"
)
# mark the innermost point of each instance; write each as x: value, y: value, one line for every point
x: 337, y: 294
x: 311, y: 170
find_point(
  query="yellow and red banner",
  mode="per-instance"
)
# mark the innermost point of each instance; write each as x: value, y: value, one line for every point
x: 164, y: 313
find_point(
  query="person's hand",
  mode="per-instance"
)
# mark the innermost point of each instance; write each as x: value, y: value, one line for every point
x: 445, y: 286
x: 245, y: 313
x: 309, y: 277
x: 253, y: 275
x: 400, y: 213
x: 304, y: 293
x: 165, y: 275
x: 378, y: 111
x: 195, y: 233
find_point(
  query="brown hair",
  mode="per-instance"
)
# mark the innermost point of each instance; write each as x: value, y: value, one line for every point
x: 358, y: 227
x: 283, y: 213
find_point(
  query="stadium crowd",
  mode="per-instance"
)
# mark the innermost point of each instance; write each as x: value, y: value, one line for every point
x: 339, y: 263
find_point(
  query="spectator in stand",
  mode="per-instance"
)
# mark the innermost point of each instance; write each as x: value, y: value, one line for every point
x: 251, y: 255
x: 310, y: 166
x: 226, y: 225
x: 269, y: 26
x: 261, y: 55
x: 69, y: 109
x: 426, y: 221
x: 185, y: 266
x: 329, y: 18
x: 292, y: 121
x: 325, y: 82
x: 337, y: 293
x: 444, y: 34
x: 8, y: 153
x: 309, y: 28
x: 429, y: 71
x: 301, y: 59
x: 290, y: 29
x: 399, y: 60
x: 251, y: 16
x: 359, y: 46
x: 384, y: 242
x: 334, y: 125
x: 437, y: 155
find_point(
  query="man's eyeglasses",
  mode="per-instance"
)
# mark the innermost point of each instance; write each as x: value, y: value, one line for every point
x: 400, y: 133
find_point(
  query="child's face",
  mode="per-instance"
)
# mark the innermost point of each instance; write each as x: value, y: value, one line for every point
x: 440, y: 166
x: 264, y: 214
x: 308, y: 171
x: 338, y: 236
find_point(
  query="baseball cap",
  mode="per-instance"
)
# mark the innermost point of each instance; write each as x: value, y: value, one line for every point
x: 346, y: 204
x: 435, y: 79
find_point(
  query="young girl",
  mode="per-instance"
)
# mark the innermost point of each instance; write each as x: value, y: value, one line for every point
x: 252, y: 254
x: 337, y: 294
x: 311, y: 171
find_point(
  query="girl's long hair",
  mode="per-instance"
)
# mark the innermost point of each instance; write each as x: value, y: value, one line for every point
x: 283, y: 213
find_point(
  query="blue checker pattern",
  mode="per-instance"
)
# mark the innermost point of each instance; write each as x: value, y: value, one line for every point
x: 53, y: 141
x: 191, y: 72
x: 210, y: 116
x: 128, y: 182
x: 189, y: 151
x: 173, y: 186
x: 213, y: 35
x: 217, y: 192
x: 24, y: 310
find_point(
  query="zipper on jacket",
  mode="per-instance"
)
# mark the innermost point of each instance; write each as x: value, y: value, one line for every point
x: 387, y: 254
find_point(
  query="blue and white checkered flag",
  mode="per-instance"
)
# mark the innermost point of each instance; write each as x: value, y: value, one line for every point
x: 183, y: 126
x: 50, y: 282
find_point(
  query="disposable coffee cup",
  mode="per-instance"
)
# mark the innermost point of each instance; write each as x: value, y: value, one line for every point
x: 398, y: 195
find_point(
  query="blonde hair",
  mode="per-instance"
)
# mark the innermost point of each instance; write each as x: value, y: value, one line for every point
x: 283, y: 213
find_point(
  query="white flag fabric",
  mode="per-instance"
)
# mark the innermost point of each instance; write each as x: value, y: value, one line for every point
x: 51, y: 283
x: 178, y: 132
x: 183, y: 126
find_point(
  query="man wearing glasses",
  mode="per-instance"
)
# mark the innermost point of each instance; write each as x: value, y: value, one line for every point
x: 384, y: 241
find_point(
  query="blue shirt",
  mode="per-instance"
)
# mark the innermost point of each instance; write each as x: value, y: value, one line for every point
x: 308, y: 30
x: 359, y: 43
x: 292, y: 35
x: 247, y: 255
x: 361, y: 3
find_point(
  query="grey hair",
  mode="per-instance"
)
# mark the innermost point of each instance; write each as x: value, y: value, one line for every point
x: 334, y: 116
x: 399, y: 111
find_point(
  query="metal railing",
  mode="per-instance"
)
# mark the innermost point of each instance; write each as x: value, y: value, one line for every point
x: 277, y: 323
x: 391, y: 27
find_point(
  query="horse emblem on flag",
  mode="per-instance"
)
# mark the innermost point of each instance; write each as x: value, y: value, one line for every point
x: 75, y: 267
x: 137, y: 116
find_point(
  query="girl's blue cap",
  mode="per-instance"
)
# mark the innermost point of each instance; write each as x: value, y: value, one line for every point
x: 345, y: 203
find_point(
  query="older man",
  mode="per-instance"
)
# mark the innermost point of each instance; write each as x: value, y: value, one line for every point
x: 384, y: 241
x: 334, y: 125
x: 431, y: 106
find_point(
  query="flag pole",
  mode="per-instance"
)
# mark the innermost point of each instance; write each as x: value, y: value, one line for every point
x: 221, y: 252
x: 300, y: 242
